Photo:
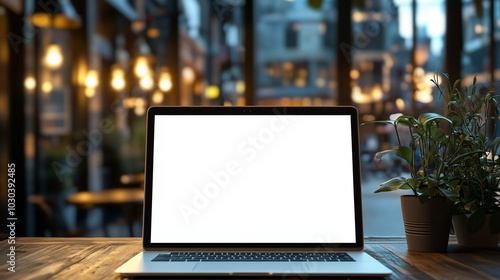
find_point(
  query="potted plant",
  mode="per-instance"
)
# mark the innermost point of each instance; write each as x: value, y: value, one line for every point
x: 426, y: 213
x: 476, y: 218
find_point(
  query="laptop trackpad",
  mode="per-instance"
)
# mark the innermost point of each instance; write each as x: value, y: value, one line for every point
x: 251, y: 267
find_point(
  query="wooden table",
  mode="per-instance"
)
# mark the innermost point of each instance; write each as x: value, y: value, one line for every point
x: 97, y: 258
x: 122, y: 197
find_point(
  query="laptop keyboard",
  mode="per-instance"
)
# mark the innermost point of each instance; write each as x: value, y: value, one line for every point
x: 253, y: 257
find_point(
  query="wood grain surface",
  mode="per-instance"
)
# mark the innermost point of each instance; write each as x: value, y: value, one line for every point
x: 97, y: 258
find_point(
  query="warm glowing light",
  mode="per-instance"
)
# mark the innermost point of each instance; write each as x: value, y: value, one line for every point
x: 320, y: 82
x: 138, y: 26
x: 46, y: 87
x: 188, y: 75
x: 92, y: 79
x: 400, y: 104
x: 377, y: 93
x: 140, y: 106
x: 165, y: 82
x: 424, y: 96
x: 478, y: 28
x: 118, y: 83
x: 129, y: 102
x: 89, y: 92
x: 358, y: 97
x: 146, y: 83
x: 118, y: 79
x: 212, y: 92
x: 240, y: 87
x: 419, y: 72
x: 354, y: 74
x: 306, y: 101
x: 285, y: 101
x: 288, y: 66
x: 240, y: 101
x: 141, y: 67
x: 300, y: 82
x: 53, y: 57
x: 357, y: 16
x: 29, y: 83
x: 368, y: 118
x: 157, y: 97
x: 139, y: 111
x: 198, y: 88
x: 153, y: 33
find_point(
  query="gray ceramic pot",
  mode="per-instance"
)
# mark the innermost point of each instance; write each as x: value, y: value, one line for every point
x: 427, y: 226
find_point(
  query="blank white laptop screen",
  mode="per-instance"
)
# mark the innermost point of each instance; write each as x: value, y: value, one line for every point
x: 252, y: 179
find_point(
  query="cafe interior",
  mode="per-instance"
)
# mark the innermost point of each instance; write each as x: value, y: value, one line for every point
x: 77, y: 78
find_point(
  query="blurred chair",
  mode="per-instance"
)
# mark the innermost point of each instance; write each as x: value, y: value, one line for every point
x: 53, y: 218
x: 132, y: 180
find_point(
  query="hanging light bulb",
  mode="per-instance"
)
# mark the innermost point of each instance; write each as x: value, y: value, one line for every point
x: 53, y: 56
x: 157, y: 97
x: 118, y: 79
x: 91, y: 82
x: 165, y: 80
x: 46, y: 87
x: 188, y: 75
x: 146, y: 83
x: 92, y: 79
x: 140, y: 106
x: 240, y: 87
x: 212, y: 92
x: 29, y: 83
x: 141, y: 67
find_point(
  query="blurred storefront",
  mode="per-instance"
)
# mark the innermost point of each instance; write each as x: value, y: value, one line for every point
x: 77, y: 77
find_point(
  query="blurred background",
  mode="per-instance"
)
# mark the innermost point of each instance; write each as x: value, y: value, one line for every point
x: 77, y: 77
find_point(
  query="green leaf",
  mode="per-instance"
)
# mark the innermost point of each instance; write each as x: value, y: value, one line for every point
x: 381, y: 122
x: 456, y: 83
x: 495, y: 223
x: 462, y: 156
x: 392, y: 184
x: 427, y: 117
x: 457, y: 121
x: 423, y: 198
x: 437, y: 134
x: 476, y: 221
x: 449, y: 194
x: 494, y: 142
x: 401, y: 151
x: 408, y: 121
x: 479, y: 105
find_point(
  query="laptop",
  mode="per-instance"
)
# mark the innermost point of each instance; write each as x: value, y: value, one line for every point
x: 252, y: 191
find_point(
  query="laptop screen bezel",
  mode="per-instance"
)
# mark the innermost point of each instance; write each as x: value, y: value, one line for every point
x: 251, y: 110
